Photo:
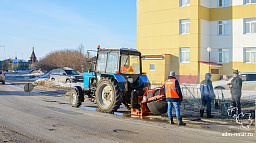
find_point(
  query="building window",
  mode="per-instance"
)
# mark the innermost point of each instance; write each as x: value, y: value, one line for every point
x: 184, y: 55
x: 223, y: 56
x: 249, y: 1
x: 223, y: 3
x: 250, y: 55
x: 185, y: 26
x: 249, y: 25
x: 152, y: 67
x: 184, y: 3
x: 223, y: 27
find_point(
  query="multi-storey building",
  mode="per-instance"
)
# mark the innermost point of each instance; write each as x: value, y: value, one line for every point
x: 175, y: 35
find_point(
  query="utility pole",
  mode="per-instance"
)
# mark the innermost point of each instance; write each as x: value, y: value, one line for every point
x: 81, y: 50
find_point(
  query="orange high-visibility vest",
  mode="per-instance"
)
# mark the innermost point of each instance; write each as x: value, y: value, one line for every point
x: 170, y: 89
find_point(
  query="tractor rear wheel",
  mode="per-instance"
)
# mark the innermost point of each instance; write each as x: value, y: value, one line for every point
x: 108, y: 95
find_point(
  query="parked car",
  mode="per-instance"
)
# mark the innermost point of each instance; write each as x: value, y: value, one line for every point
x: 2, y: 77
x: 248, y: 78
x: 67, y: 75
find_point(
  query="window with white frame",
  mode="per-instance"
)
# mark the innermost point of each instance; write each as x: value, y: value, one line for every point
x: 152, y: 67
x: 223, y: 27
x: 185, y: 26
x: 184, y: 55
x: 249, y: 25
x: 249, y: 1
x: 250, y: 55
x: 184, y: 3
x: 223, y: 3
x: 223, y: 56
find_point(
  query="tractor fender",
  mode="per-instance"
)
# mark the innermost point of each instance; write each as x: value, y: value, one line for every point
x: 122, y: 83
x: 143, y: 79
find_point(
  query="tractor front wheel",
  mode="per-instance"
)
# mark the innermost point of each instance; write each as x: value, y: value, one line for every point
x: 108, y: 95
x: 74, y: 97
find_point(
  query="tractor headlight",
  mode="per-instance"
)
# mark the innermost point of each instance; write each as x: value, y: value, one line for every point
x: 130, y: 80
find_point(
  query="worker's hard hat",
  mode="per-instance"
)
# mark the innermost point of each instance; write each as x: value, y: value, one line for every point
x: 172, y: 73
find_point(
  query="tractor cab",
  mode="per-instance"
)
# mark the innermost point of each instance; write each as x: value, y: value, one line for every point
x: 123, y: 61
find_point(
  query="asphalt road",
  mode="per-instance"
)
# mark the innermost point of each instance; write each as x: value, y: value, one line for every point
x: 26, y: 118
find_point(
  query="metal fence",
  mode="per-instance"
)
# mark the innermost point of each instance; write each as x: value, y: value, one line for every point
x: 192, y: 96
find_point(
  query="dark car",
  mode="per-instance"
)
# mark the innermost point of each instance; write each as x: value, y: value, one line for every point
x: 2, y: 78
x: 67, y: 75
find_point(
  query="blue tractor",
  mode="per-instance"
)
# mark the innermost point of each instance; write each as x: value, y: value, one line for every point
x: 116, y: 78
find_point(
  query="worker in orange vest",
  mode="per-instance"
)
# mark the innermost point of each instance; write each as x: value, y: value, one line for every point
x: 173, y: 97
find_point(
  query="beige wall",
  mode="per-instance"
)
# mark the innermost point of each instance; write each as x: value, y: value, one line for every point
x: 158, y: 33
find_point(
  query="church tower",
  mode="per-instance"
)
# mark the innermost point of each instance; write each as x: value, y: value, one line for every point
x: 33, y: 58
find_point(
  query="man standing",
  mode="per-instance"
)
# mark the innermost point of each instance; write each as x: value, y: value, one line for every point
x: 207, y: 95
x: 173, y: 97
x: 235, y: 90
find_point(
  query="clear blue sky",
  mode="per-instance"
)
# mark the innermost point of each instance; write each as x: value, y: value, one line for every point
x: 51, y: 25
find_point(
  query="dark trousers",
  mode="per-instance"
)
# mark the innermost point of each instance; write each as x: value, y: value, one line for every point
x: 236, y: 103
x: 206, y: 104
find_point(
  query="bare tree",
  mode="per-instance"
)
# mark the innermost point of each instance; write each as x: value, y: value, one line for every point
x: 64, y: 58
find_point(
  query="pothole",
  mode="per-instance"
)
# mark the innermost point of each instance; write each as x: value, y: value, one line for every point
x: 63, y: 103
x: 121, y: 131
x: 50, y: 101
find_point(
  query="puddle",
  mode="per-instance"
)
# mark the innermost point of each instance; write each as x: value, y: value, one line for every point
x: 119, y: 113
x: 89, y: 108
x: 93, y: 108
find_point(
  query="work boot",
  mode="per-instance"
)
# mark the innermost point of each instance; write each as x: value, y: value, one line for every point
x: 201, y: 113
x: 171, y: 121
x: 209, y: 114
x: 180, y: 122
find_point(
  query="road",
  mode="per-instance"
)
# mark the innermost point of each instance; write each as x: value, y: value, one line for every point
x: 25, y: 118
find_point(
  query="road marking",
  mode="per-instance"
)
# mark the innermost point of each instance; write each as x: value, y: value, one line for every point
x: 15, y: 86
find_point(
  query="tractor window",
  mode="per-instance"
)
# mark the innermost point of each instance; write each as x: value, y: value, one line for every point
x: 101, y: 62
x: 130, y: 64
x: 112, y: 63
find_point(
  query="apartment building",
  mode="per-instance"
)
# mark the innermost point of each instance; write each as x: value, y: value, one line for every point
x: 193, y: 37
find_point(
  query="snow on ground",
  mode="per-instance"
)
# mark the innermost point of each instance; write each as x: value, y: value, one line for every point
x: 47, y: 82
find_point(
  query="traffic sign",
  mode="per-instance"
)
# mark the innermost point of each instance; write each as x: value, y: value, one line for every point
x: 15, y: 63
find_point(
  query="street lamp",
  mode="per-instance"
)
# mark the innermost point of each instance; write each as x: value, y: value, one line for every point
x: 209, y: 51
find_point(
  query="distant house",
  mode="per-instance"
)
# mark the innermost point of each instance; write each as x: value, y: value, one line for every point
x: 8, y: 64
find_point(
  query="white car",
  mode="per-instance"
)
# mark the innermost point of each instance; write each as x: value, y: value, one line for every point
x: 249, y: 82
